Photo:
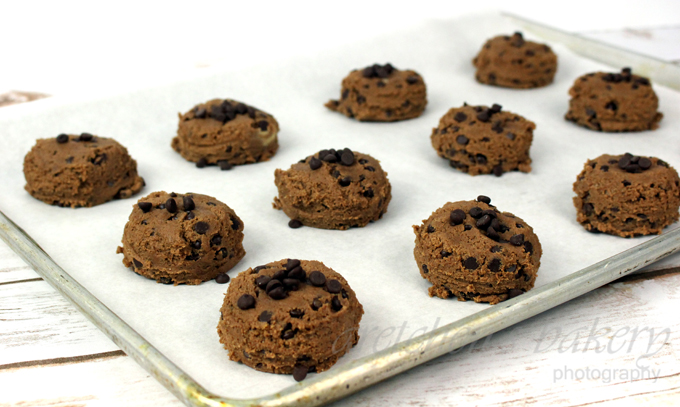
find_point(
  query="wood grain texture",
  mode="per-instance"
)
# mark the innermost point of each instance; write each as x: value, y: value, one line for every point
x: 36, y: 323
x: 113, y: 381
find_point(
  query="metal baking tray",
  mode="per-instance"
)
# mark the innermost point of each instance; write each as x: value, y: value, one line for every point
x: 348, y: 378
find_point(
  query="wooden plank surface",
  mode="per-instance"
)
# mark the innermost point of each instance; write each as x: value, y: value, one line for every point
x: 51, y: 355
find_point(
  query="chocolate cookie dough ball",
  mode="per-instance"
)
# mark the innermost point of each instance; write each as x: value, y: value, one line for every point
x: 627, y: 195
x: 289, y: 316
x: 83, y: 170
x: 512, y: 62
x: 182, y: 238
x: 226, y: 133
x: 614, y: 102
x: 471, y: 250
x: 483, y: 140
x: 381, y: 93
x: 333, y: 189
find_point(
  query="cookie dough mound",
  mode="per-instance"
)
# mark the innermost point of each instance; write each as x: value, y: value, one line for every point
x: 614, y: 102
x: 512, y: 62
x: 289, y: 315
x: 482, y: 140
x: 82, y: 170
x: 182, y: 238
x: 472, y: 251
x: 226, y: 133
x: 381, y: 93
x: 626, y: 195
x: 333, y: 189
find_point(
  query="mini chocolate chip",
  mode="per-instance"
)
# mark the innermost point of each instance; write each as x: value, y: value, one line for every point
x: 511, y: 136
x: 512, y: 293
x: 496, y: 249
x: 604, y: 168
x: 460, y: 117
x: 85, y: 137
x: 200, y: 113
x: 317, y: 278
x: 265, y: 316
x: 444, y: 253
x: 517, y: 240
x: 347, y: 157
x: 300, y: 373
x: 411, y: 80
x: 369, y: 168
x: 492, y: 234
x: 497, y: 170
x: 188, y: 203
x: 263, y: 124
x: 145, y: 206
x: 216, y: 240
x: 644, y: 163
x: 475, y: 212
x: 611, y: 106
x: 277, y: 293
x: 288, y: 333
x: 298, y: 273
x: 344, y: 182
x: 296, y: 313
x: 314, y: 163
x: 246, y: 301
x: 368, y: 193
x: 363, y: 161
x: 190, y: 216
x: 235, y: 224
x: 316, y: 304
x: 280, y: 275
x: 483, y: 116
x: 165, y: 280
x: 425, y: 269
x: 625, y: 183
x: 484, y: 198
x: 462, y: 139
x: 457, y: 217
x: 196, y: 244
x: 137, y: 263
x: 481, y: 159
x: 292, y: 263
x: 222, y: 278
x: 201, y: 227
x: 333, y: 286
x: 201, y: 163
x: 495, y: 265
x: 222, y: 252
x: 528, y: 247
x: 62, y: 138
x: 468, y: 227
x: 171, y: 205
x: 262, y: 281
x: 430, y: 229
x: 294, y: 224
x: 291, y: 284
x: 495, y: 108
x: 224, y: 165
x: 590, y: 112
x: 330, y: 158
x: 470, y: 263
x: 336, y: 305
x: 483, y: 222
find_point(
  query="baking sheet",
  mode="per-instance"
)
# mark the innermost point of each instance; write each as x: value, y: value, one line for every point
x: 376, y: 260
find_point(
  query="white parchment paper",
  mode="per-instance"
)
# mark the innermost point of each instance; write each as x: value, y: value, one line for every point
x: 377, y: 260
